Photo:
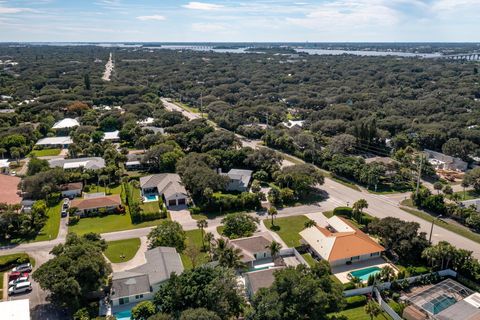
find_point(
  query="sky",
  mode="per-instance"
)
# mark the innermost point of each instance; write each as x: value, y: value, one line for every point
x: 240, y: 21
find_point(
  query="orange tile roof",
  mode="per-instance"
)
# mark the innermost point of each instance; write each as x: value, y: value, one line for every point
x: 9, y: 192
x: 94, y: 203
x: 350, y: 244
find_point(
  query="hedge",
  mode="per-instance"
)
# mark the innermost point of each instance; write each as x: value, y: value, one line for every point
x: 13, y: 260
x: 355, y: 302
x: 343, y: 211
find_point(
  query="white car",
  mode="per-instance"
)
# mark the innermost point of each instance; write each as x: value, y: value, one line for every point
x: 18, y: 280
x: 21, y: 287
x: 26, y: 267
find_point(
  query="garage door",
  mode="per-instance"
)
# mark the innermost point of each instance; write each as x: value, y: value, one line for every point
x: 172, y: 202
x: 181, y: 202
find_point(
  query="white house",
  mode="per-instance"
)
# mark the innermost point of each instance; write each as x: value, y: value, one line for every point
x: 66, y: 124
x: 166, y: 185
x: 53, y: 142
x: 294, y: 123
x: 340, y: 242
x: 112, y: 136
x: 92, y: 163
x: 239, y: 179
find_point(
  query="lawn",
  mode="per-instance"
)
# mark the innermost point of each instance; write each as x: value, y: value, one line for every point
x: 151, y: 206
x: 468, y: 195
x: 51, y: 227
x: 46, y: 152
x: 93, y: 188
x: 309, y: 259
x: 122, y: 250
x: 199, y: 217
x: 186, y: 107
x: 288, y: 229
x: 194, y: 239
x: 359, y: 314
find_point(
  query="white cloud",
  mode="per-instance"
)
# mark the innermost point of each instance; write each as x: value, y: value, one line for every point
x: 202, y: 6
x: 155, y: 17
x: 6, y: 10
x: 208, y: 27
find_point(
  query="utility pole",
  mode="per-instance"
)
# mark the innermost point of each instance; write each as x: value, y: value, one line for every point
x: 419, y: 174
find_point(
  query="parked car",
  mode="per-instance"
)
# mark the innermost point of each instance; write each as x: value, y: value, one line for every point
x: 25, y: 267
x: 66, y: 204
x: 64, y: 213
x: 18, y: 280
x: 15, y: 275
x: 21, y: 287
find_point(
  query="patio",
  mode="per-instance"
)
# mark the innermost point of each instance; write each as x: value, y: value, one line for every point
x: 341, y: 272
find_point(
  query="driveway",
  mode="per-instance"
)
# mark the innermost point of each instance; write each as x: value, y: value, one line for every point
x: 182, y: 216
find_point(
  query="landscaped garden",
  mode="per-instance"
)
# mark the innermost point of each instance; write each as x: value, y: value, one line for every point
x: 122, y: 250
x: 288, y: 228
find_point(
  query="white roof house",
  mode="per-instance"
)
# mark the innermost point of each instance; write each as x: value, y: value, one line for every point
x: 92, y: 163
x: 114, y: 135
x: 15, y: 310
x: 66, y: 123
x: 54, y: 141
x: 292, y: 123
x: 146, y: 122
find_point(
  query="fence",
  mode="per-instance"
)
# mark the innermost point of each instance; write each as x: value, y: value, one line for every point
x: 385, y: 307
x: 293, y: 252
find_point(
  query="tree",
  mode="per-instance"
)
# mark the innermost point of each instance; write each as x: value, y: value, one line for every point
x: 447, y: 189
x: 36, y: 165
x: 342, y: 143
x: 309, y: 223
x: 274, y: 248
x: 298, y: 293
x: 77, y: 268
x: 440, y: 255
x: 202, y: 224
x: 197, y: 178
x: 227, y: 255
x: 372, y: 309
x: 86, y: 82
x: 214, y: 289
x: 161, y: 316
x: 256, y: 187
x: 199, y: 314
x: 438, y: 186
x: 301, y: 178
x: 239, y: 225
x: 143, y: 310
x: 168, y: 234
x: 358, y: 207
x: 208, y: 239
x: 472, y: 178
x: 103, y: 179
x: 272, y: 212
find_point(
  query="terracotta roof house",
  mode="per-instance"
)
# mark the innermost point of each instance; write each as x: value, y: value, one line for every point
x: 340, y: 242
x: 239, y: 179
x: 167, y: 185
x: 254, y: 249
x: 93, y: 204
x: 9, y: 192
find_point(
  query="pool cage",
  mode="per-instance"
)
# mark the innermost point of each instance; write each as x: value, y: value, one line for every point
x: 439, y: 297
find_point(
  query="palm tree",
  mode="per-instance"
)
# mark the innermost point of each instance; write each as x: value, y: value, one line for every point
x: 358, y: 207
x: 372, y: 309
x: 272, y: 211
x: 208, y: 238
x: 274, y: 248
x: 465, y: 185
x: 387, y: 274
x: 3, y: 151
x: 227, y: 255
x: 202, y: 224
x: 103, y: 179
x: 309, y: 223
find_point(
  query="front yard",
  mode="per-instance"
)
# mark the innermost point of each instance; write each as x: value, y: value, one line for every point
x: 288, y: 228
x: 122, y: 250
x: 52, y: 226
x: 194, y: 239
x: 359, y: 314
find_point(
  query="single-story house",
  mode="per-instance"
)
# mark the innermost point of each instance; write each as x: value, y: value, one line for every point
x: 15, y: 309
x: 9, y: 192
x: 256, y: 280
x: 134, y: 161
x: 239, y: 179
x: 140, y: 283
x: 167, y: 185
x: 71, y: 190
x: 340, y: 242
x: 92, y: 163
x: 254, y: 249
x: 95, y: 202
x: 294, y: 123
x: 66, y: 124
x: 4, y: 166
x: 112, y: 136
x: 53, y: 142
x: 444, y: 162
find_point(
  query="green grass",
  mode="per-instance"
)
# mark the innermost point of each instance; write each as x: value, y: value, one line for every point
x: 52, y: 226
x: 151, y: 206
x: 199, y: 217
x: 309, y: 259
x: 9, y: 257
x: 194, y: 239
x: 468, y: 195
x: 184, y: 106
x: 93, y: 188
x: 328, y: 214
x: 359, y: 314
x: 122, y: 250
x: 46, y: 152
x: 220, y: 230
x: 462, y: 231
x: 288, y: 229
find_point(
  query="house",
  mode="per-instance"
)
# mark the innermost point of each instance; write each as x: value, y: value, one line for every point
x: 55, y: 142
x: 146, y: 122
x: 112, y: 136
x: 239, y: 179
x: 166, y: 185
x: 474, y: 202
x: 339, y: 242
x: 443, y: 162
x: 254, y: 249
x: 15, y: 309
x: 142, y: 282
x: 134, y: 161
x: 4, y: 166
x: 9, y: 192
x: 293, y: 123
x: 92, y: 163
x: 71, y: 190
x: 92, y: 203
x: 66, y: 123
x: 256, y: 280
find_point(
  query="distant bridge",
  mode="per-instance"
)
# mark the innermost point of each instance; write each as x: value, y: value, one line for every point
x: 466, y: 56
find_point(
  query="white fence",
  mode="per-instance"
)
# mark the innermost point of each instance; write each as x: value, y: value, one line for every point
x: 385, y: 307
x: 293, y: 252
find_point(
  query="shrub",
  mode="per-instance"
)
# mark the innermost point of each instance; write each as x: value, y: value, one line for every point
x: 355, y: 301
x: 349, y: 286
x: 194, y: 210
x: 343, y: 211
x: 73, y: 220
x: 7, y: 263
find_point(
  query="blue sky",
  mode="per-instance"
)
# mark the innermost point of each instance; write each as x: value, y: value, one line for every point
x: 243, y: 20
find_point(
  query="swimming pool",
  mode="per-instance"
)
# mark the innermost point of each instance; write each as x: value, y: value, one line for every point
x: 123, y: 315
x: 363, y: 274
x: 150, y: 198
x: 439, y: 304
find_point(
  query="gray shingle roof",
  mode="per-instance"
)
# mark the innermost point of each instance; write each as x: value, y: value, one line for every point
x: 161, y: 262
x: 252, y: 245
x: 128, y: 283
x: 166, y: 183
x: 240, y: 175
x: 260, y: 279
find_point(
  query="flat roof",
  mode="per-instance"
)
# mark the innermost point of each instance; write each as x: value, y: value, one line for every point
x: 15, y: 310
x: 114, y: 135
x: 54, y: 141
x: 4, y: 163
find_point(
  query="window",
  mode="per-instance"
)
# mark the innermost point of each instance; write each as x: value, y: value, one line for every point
x: 124, y: 300
x: 355, y: 258
x: 375, y: 254
x: 255, y: 255
x: 264, y: 254
x: 138, y: 296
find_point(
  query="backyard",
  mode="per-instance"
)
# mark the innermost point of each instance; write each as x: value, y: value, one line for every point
x: 194, y: 239
x: 151, y: 206
x: 288, y: 228
x: 122, y: 250
x: 359, y: 314
x: 45, y: 152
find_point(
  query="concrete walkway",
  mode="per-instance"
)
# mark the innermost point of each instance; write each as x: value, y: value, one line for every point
x: 136, y: 261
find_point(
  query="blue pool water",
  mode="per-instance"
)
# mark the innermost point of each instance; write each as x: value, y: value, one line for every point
x: 439, y: 304
x: 151, y: 197
x: 123, y: 315
x: 363, y: 274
